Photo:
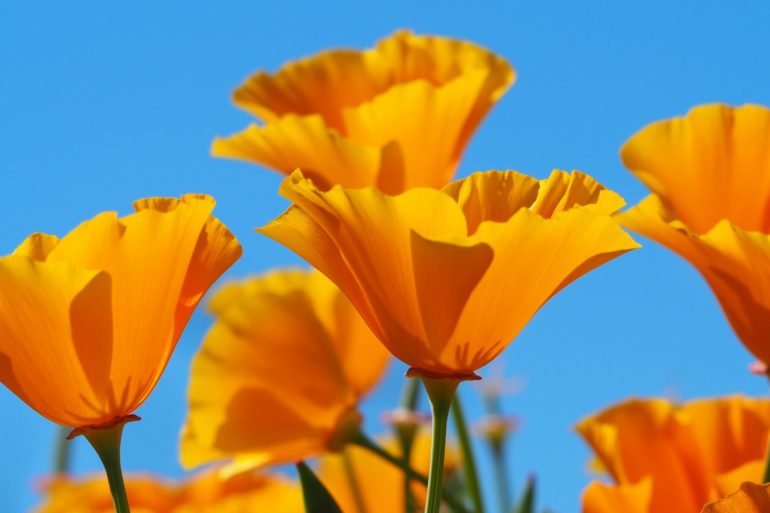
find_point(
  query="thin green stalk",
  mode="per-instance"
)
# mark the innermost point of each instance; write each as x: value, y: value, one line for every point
x: 61, y: 463
x: 363, y: 441
x: 766, y: 477
x: 468, y: 458
x: 405, y: 434
x: 501, y: 475
x: 106, y: 443
x: 441, y: 393
x: 355, y: 486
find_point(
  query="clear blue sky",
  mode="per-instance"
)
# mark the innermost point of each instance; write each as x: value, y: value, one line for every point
x: 102, y: 103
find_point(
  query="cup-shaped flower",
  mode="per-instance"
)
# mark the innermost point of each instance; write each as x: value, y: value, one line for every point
x: 749, y: 498
x: 664, y: 457
x: 710, y: 176
x: 89, y: 321
x: 395, y: 116
x: 203, y: 493
x: 447, y: 278
x: 280, y: 373
x: 349, y: 476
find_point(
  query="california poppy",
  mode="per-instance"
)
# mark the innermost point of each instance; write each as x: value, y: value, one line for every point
x: 710, y: 176
x: 280, y: 373
x: 396, y: 116
x: 89, y: 321
x: 447, y: 278
x: 663, y: 457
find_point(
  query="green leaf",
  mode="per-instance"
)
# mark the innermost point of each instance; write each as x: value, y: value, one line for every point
x: 527, y: 502
x: 317, y: 497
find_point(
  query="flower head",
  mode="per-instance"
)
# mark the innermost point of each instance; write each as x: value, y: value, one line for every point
x: 710, y: 176
x: 88, y: 322
x: 203, y: 493
x: 447, y: 278
x: 665, y: 458
x: 396, y: 116
x: 280, y: 373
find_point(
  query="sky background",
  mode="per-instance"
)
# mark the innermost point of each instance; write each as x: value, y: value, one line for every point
x: 102, y: 103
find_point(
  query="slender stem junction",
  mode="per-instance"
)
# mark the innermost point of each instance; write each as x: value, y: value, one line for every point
x: 61, y: 463
x: 441, y: 392
x: 106, y: 443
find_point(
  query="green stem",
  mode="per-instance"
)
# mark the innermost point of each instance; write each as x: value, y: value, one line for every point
x: 363, y: 441
x: 106, y: 443
x: 766, y: 477
x: 440, y: 392
x: 61, y: 463
x: 501, y: 475
x: 405, y: 435
x: 355, y: 486
x: 469, y: 461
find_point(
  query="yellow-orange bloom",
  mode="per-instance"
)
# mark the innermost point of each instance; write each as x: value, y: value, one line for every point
x: 395, y: 116
x: 750, y: 498
x: 380, y: 484
x: 446, y: 278
x: 666, y: 458
x: 204, y: 493
x: 280, y: 373
x: 710, y: 176
x: 88, y: 322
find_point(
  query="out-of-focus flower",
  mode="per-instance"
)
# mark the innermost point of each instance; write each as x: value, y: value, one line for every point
x: 205, y: 493
x: 380, y: 484
x: 446, y: 278
x: 710, y: 176
x: 495, y: 428
x: 280, y: 374
x: 665, y: 458
x: 396, y: 116
x: 88, y: 322
x: 750, y: 498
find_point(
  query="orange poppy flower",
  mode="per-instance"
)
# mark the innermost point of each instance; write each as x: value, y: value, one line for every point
x: 204, y: 493
x: 750, y: 498
x: 665, y: 458
x: 710, y: 176
x: 385, y: 494
x: 447, y: 278
x: 88, y: 322
x: 396, y: 116
x: 280, y: 374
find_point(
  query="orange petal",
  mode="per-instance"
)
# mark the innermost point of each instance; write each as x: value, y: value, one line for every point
x: 55, y: 339
x: 602, y: 498
x: 275, y: 339
x: 712, y: 164
x: 750, y: 498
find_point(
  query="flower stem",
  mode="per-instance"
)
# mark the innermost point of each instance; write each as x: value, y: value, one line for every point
x: 61, y: 463
x: 106, y: 443
x: 766, y: 477
x: 441, y: 392
x: 405, y: 435
x: 469, y: 461
x: 363, y: 441
x: 501, y: 474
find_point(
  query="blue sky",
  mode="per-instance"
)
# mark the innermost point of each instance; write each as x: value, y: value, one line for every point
x: 102, y: 103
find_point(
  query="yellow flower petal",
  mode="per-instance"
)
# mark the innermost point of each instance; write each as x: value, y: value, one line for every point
x: 276, y: 351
